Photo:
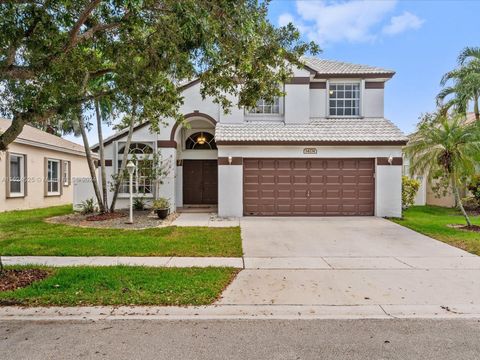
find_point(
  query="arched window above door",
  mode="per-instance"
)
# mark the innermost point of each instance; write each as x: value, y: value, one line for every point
x: 137, y: 148
x: 201, y: 141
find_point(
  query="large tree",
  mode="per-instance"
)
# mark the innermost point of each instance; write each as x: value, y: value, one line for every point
x: 49, y: 47
x: 447, y: 149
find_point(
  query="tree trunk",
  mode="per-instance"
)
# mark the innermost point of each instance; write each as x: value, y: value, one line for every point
x: 459, y: 202
x: 15, y: 128
x: 476, y: 110
x: 102, y: 155
x: 91, y: 165
x: 124, y: 163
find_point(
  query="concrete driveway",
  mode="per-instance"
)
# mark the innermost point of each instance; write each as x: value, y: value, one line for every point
x: 350, y: 261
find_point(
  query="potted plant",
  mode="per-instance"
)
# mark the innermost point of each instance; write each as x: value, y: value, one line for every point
x: 162, y: 207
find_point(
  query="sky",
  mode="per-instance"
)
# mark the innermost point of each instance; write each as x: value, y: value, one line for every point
x: 420, y: 40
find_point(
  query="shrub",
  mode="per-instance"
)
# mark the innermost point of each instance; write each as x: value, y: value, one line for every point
x: 474, y: 186
x: 471, y: 203
x: 161, y: 203
x: 409, y: 190
x: 139, y: 203
x: 88, y: 206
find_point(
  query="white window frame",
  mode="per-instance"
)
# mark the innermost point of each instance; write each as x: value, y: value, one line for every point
x: 22, y: 175
x: 66, y: 173
x: 59, y: 177
x: 262, y: 104
x: 360, y: 98
x: 137, y: 180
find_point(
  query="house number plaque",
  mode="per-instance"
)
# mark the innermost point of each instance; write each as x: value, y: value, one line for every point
x: 310, y: 151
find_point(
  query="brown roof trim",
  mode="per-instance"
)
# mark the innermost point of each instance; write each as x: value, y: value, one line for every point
x: 313, y: 143
x: 120, y: 135
x: 235, y: 161
x: 167, y: 144
x: 189, y: 85
x: 355, y: 76
x: 384, y: 161
x: 196, y: 113
x: 374, y: 85
x: 318, y: 85
x: 298, y: 80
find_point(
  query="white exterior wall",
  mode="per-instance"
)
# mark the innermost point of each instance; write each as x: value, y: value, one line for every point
x: 230, y: 190
x: 318, y: 103
x: 297, y: 103
x: 388, y: 179
x: 373, y: 103
x: 388, y: 193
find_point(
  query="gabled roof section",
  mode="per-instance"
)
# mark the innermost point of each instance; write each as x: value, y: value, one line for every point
x: 329, y: 68
x: 38, y: 138
x: 335, y: 131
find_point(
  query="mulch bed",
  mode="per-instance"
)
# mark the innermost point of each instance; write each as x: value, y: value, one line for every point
x: 474, y: 228
x: 12, y: 279
x: 105, y: 216
x: 145, y: 219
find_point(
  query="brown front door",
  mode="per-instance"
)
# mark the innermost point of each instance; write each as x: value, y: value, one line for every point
x: 320, y: 187
x: 200, y: 182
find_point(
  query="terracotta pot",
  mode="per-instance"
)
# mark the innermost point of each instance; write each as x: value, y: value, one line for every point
x: 162, y: 213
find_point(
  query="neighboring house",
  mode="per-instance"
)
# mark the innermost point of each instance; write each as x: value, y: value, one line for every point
x: 324, y: 148
x: 426, y: 194
x: 38, y: 168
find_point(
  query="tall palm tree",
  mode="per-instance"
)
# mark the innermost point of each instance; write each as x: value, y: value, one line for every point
x: 445, y: 147
x: 464, y: 90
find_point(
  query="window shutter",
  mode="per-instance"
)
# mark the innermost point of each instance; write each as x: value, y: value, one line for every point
x: 69, y: 173
x: 60, y: 176
x: 7, y: 174
x: 45, y: 176
x: 25, y: 176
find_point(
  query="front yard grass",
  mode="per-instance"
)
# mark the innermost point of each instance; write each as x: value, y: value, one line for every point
x: 26, y: 233
x: 123, y: 285
x: 432, y: 221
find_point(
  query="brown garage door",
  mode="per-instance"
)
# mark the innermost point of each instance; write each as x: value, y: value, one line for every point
x: 321, y: 187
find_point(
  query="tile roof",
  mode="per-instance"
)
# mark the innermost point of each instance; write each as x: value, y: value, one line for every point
x: 329, y: 67
x: 36, y: 137
x: 321, y: 130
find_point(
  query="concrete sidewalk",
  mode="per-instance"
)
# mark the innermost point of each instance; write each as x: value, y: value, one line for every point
x: 124, y: 260
x: 230, y: 312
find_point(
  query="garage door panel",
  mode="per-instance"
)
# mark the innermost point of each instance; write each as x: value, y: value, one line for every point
x: 283, y: 187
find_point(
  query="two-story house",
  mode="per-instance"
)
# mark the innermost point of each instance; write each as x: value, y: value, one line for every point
x: 323, y: 149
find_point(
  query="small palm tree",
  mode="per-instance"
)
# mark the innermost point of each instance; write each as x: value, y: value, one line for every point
x: 445, y: 148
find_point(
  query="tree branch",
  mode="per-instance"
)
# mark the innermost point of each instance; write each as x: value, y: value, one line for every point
x: 81, y: 20
x: 16, y: 72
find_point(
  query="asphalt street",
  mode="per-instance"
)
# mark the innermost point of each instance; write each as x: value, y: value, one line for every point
x: 241, y: 339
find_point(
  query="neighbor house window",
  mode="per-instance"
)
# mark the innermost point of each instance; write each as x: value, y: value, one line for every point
x: 265, y: 107
x: 17, y: 174
x: 66, y: 173
x: 53, y: 177
x: 344, y: 99
x: 141, y: 154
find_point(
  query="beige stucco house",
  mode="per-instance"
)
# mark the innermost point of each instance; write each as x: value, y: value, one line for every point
x: 38, y: 168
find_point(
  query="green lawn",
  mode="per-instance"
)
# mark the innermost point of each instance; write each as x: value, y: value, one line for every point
x: 25, y: 233
x: 433, y: 221
x: 121, y: 285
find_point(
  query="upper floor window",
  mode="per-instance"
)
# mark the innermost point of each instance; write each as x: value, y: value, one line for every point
x: 200, y: 141
x: 264, y: 107
x: 344, y: 99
